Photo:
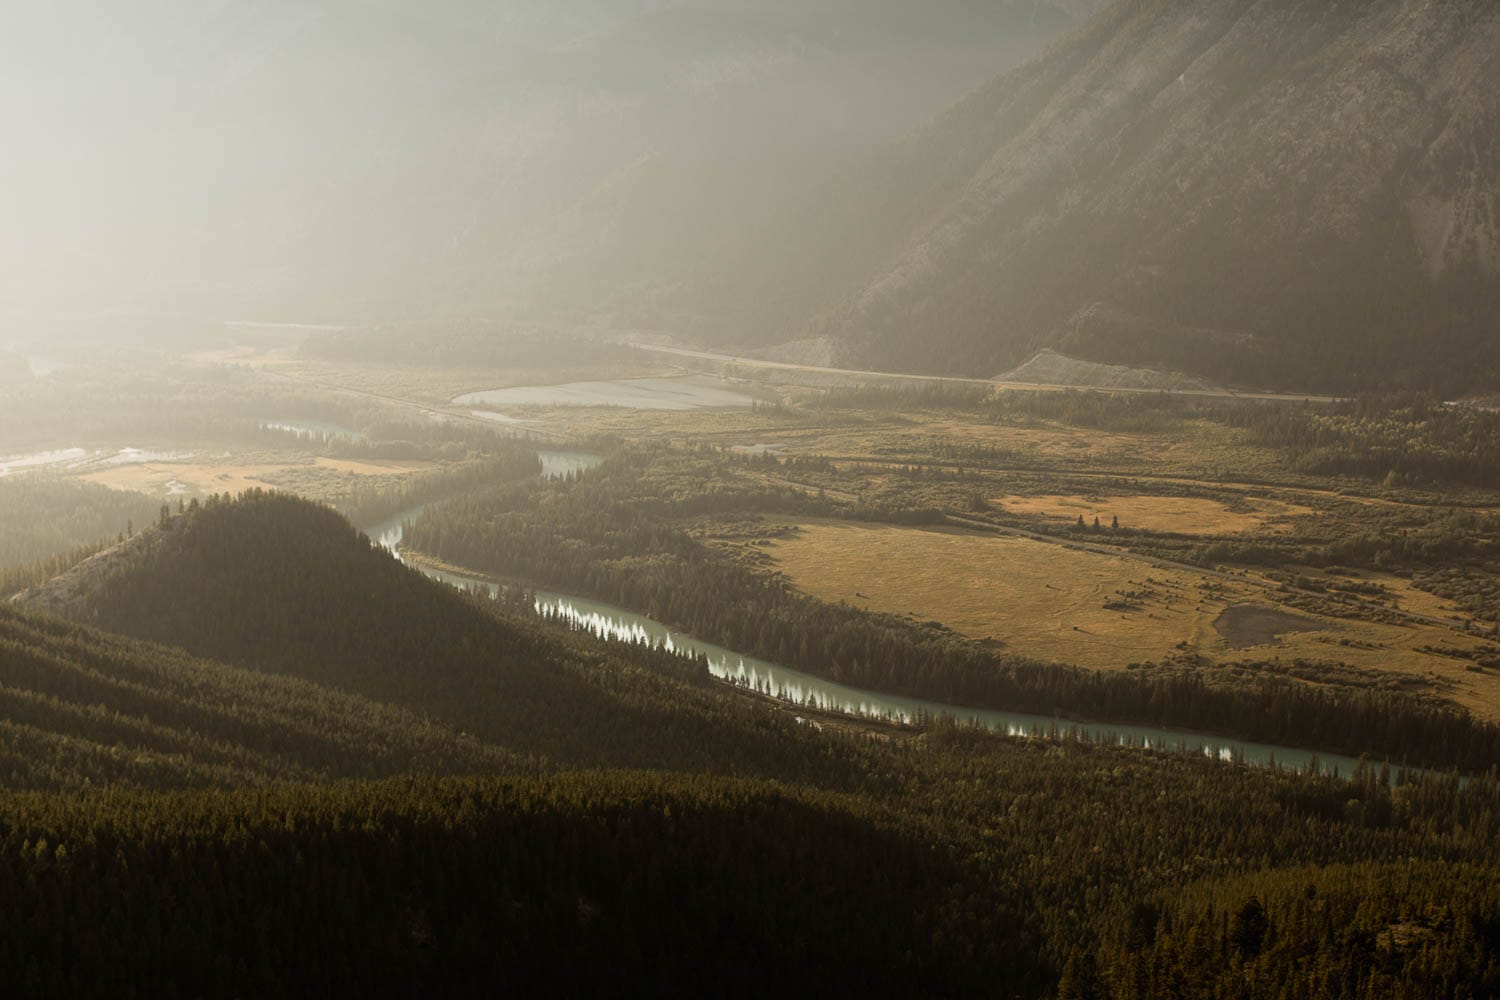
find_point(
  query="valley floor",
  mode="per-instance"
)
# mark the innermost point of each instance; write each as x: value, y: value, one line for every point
x: 1321, y: 577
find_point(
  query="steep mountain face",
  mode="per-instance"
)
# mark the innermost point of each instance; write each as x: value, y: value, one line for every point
x: 1263, y: 191
x: 695, y: 124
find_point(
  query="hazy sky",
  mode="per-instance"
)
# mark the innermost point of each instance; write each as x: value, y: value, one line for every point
x: 272, y: 157
x: 184, y: 141
x: 147, y: 141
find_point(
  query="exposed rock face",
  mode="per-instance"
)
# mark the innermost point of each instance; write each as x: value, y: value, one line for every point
x: 1262, y: 191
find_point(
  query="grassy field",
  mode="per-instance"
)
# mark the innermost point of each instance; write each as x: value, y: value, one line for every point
x: 1209, y: 455
x: 1182, y: 515
x: 315, y: 478
x: 1037, y: 599
x: 1052, y: 602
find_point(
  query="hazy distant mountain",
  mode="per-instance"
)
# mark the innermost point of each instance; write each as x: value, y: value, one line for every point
x: 377, y: 161
x: 1264, y: 191
x: 701, y: 124
x: 1270, y: 192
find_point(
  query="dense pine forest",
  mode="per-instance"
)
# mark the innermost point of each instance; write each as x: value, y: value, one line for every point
x: 290, y: 589
x: 43, y: 517
x: 570, y: 886
x: 770, y: 849
x: 1410, y: 929
x: 721, y: 887
x: 82, y: 708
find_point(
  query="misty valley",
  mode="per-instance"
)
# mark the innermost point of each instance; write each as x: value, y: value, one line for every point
x: 751, y: 498
x: 918, y: 597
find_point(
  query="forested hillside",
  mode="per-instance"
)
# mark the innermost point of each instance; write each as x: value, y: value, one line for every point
x: 967, y: 864
x: 935, y: 861
x: 79, y: 708
x: 42, y: 517
x: 287, y: 587
x: 569, y: 886
x: 1408, y: 929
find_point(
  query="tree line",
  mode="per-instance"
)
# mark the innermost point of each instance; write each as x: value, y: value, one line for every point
x: 934, y: 860
x: 617, y: 535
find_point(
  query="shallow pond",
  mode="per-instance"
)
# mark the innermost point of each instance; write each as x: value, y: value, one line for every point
x: 688, y: 393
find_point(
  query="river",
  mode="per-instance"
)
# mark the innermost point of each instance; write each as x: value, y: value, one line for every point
x: 805, y: 689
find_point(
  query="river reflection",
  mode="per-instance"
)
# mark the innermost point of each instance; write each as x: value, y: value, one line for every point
x: 607, y: 621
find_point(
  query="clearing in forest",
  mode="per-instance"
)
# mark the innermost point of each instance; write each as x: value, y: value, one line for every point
x: 1056, y: 603
x: 319, y: 479
x: 1038, y: 599
x: 1182, y: 515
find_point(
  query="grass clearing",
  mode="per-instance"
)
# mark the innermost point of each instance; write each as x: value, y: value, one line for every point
x: 1402, y: 593
x: 1036, y: 598
x: 318, y: 479
x: 1182, y: 515
x: 1052, y: 602
x: 372, y: 467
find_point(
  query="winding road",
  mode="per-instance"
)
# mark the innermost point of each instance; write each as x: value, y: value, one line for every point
x: 683, y: 352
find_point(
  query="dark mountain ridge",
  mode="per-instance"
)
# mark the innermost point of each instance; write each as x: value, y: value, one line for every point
x: 1262, y: 191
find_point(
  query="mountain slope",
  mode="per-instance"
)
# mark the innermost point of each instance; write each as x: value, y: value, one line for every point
x: 577, y: 884
x: 80, y: 708
x: 1262, y: 191
x: 284, y: 586
x: 713, y: 117
x: 46, y: 516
